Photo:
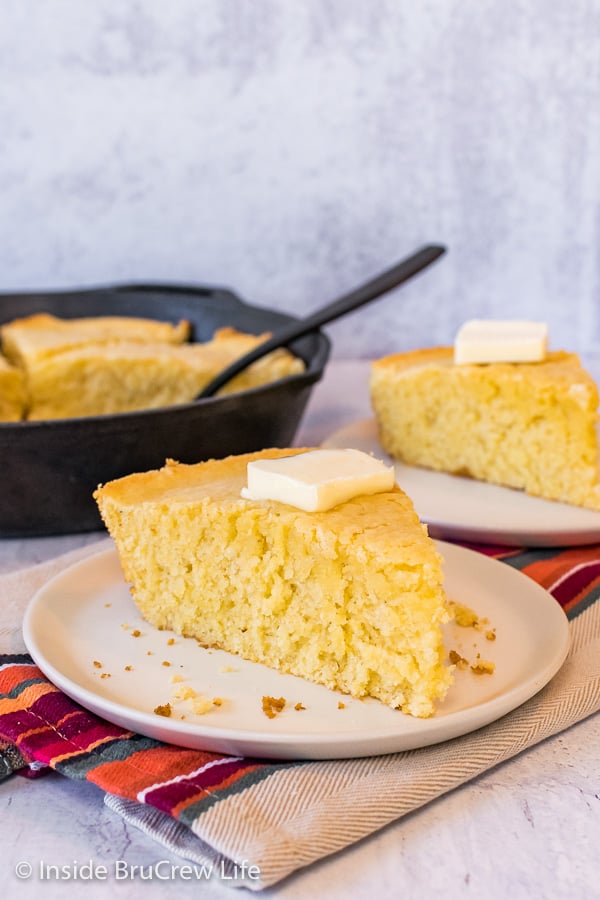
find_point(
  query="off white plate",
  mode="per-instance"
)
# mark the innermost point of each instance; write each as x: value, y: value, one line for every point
x: 86, y: 614
x: 468, y: 510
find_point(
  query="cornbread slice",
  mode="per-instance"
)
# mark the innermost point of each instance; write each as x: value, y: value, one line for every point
x: 350, y: 597
x: 120, y: 376
x: 27, y: 340
x: 12, y: 393
x: 530, y: 426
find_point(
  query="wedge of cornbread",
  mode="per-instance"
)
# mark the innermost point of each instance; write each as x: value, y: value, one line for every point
x: 12, y: 393
x: 351, y: 597
x: 531, y: 426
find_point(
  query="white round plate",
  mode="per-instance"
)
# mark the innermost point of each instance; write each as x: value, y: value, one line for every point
x: 86, y: 615
x: 463, y: 509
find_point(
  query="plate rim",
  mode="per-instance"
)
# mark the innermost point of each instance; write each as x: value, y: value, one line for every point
x: 313, y: 745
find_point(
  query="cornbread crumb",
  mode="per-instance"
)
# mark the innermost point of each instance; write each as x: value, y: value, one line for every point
x: 483, y: 667
x: 341, y: 705
x: 184, y: 692
x: 227, y: 669
x: 136, y: 632
x: 171, y: 641
x: 165, y: 662
x: 201, y: 705
x: 198, y: 703
x: 105, y: 675
x: 163, y: 710
x: 97, y: 664
x: 464, y: 616
x: 457, y: 660
x: 479, y: 667
x: 176, y: 678
x: 272, y: 706
x: 125, y: 627
x: 299, y: 706
x: 128, y: 668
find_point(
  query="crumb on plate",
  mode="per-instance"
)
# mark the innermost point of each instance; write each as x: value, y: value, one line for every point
x: 457, y: 660
x: 272, y: 706
x: 483, y: 667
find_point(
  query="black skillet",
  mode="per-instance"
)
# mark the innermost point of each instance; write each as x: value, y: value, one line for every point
x: 51, y: 468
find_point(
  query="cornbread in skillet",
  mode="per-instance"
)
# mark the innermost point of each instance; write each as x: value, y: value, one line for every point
x: 99, y: 378
x: 530, y: 426
x: 26, y: 340
x: 12, y: 393
x: 350, y: 597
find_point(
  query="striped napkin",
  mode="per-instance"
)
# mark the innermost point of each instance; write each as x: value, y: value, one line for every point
x: 259, y: 821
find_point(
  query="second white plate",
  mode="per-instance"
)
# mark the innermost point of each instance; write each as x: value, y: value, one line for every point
x: 85, y: 634
x: 467, y: 510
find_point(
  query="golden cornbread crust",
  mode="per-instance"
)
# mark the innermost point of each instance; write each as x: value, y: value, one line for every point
x: 99, y: 366
x: 33, y: 337
x: 351, y: 598
x: 530, y: 426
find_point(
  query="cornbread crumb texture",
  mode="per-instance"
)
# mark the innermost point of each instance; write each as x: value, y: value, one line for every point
x: 465, y: 617
x: 483, y: 667
x: 12, y: 392
x: 351, y: 597
x: 478, y: 667
x: 272, y: 706
x: 530, y: 426
x: 55, y: 368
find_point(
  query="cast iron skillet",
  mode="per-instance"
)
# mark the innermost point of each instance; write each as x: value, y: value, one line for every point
x: 50, y: 468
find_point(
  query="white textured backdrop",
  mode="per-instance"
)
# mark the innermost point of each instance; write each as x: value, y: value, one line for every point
x: 290, y: 150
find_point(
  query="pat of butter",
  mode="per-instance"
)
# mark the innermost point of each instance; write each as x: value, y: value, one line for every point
x: 318, y: 479
x: 487, y: 341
